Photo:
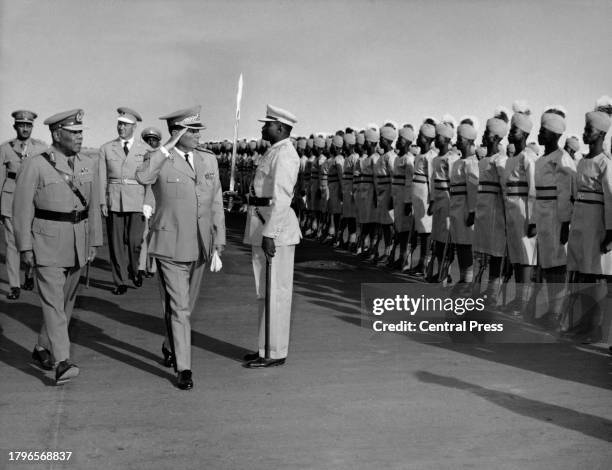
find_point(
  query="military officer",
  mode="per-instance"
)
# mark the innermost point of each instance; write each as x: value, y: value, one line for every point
x: 188, y: 224
x: 403, y: 169
x: 57, y: 229
x: 383, y: 171
x: 555, y: 176
x: 273, y: 231
x: 12, y: 154
x: 518, y: 183
x: 122, y: 199
x: 335, y: 168
x: 420, y: 196
x: 490, y: 219
x: 439, y: 203
x: 349, y: 210
x: 464, y: 191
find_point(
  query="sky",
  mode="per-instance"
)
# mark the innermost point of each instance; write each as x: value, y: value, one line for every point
x: 333, y: 63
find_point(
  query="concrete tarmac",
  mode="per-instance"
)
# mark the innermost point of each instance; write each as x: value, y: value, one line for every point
x: 346, y: 398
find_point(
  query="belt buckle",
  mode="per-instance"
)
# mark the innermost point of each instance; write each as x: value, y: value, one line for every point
x: 123, y: 180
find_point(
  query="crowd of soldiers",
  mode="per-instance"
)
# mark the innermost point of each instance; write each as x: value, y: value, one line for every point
x: 417, y: 199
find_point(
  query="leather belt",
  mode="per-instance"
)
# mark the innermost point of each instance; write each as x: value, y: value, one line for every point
x: 75, y: 216
x: 122, y: 181
x: 11, y: 175
x: 259, y: 201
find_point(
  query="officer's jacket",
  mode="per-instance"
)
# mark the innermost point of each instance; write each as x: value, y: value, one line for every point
x: 188, y: 219
x: 118, y: 186
x: 275, y: 178
x: 10, y: 164
x: 41, y: 186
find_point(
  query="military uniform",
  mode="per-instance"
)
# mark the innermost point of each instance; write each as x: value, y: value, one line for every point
x: 188, y: 222
x: 420, y: 197
x: 383, y: 170
x: 463, y: 191
x: 403, y: 168
x: 348, y: 202
x: 518, y: 184
x: 555, y: 176
x: 440, y: 196
x: 490, y: 220
x: 367, y: 191
x: 270, y: 215
x: 59, y: 224
x: 124, y: 196
x: 591, y: 217
x: 12, y: 155
x: 336, y: 165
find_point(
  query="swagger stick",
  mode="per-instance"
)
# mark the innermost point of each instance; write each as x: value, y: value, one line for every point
x: 267, y: 307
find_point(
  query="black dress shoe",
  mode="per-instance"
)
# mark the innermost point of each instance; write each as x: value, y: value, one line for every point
x: 138, y: 279
x: 120, y: 290
x: 183, y: 380
x: 168, y: 357
x: 65, y: 371
x: 262, y: 362
x: 14, y: 293
x: 251, y: 356
x: 149, y: 274
x: 28, y: 284
x: 42, y: 357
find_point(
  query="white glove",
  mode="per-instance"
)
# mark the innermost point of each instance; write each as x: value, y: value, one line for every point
x: 147, y: 210
x: 215, y: 262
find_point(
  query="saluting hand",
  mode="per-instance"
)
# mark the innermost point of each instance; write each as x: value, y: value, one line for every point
x: 174, y: 139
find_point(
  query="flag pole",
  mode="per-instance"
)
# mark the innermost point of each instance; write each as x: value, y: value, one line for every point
x: 234, y: 145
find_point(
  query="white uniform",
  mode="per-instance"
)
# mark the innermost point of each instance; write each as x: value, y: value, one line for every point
x: 592, y: 216
x: 367, y: 194
x: 555, y: 176
x: 275, y: 178
x: 464, y: 192
x: 403, y: 168
x: 440, y: 195
x: 490, y: 220
x: 348, y: 202
x: 323, y: 183
x: 518, y: 185
x: 420, y: 197
x: 335, y: 167
x: 383, y: 169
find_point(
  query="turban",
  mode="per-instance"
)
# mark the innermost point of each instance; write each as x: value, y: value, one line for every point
x: 598, y: 120
x: 497, y: 127
x: 467, y: 131
x: 360, y: 138
x: 349, y: 138
x: 445, y: 130
x: 372, y: 135
x: 573, y: 143
x: 338, y: 141
x: 319, y: 142
x: 407, y: 133
x: 301, y: 144
x: 388, y: 133
x: 553, y: 122
x: 428, y: 130
x: 522, y: 121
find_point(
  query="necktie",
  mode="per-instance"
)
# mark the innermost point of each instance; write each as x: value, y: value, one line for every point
x: 125, y: 148
x: 188, y: 159
x: 71, y: 163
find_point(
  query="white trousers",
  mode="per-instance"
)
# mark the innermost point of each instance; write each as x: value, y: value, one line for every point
x: 281, y: 291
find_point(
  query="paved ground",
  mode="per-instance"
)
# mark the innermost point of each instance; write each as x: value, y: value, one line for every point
x: 346, y: 399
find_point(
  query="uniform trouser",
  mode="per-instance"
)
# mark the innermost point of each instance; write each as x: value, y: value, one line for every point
x: 12, y: 255
x: 180, y: 286
x: 57, y: 288
x: 281, y: 291
x: 125, y: 231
